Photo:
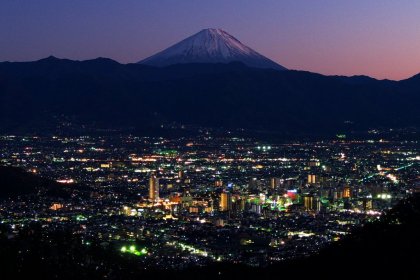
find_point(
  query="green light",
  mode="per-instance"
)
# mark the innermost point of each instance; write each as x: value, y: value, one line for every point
x: 133, y: 250
x: 81, y: 218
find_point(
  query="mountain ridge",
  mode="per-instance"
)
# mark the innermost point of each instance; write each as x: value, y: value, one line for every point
x: 39, y: 95
x: 210, y: 46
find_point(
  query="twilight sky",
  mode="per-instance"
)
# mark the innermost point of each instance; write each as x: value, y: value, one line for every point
x: 379, y: 38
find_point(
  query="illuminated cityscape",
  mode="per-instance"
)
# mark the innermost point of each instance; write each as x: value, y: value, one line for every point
x: 181, y: 202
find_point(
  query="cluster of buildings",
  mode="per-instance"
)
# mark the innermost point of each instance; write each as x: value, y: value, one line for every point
x: 194, y: 201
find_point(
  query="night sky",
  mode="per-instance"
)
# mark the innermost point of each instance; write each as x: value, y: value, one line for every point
x: 379, y: 38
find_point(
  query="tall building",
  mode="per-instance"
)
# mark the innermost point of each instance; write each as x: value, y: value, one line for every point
x: 314, y: 163
x: 154, y: 188
x: 275, y: 183
x: 218, y: 183
x: 311, y: 203
x: 308, y: 202
x: 367, y: 204
x: 317, y: 204
x: 225, y: 201
x: 312, y: 179
x: 346, y: 192
x: 256, y: 208
x: 238, y: 204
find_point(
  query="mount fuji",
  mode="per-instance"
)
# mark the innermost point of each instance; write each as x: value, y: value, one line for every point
x: 210, y: 46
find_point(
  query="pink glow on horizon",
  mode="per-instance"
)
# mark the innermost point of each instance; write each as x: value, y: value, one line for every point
x: 380, y: 39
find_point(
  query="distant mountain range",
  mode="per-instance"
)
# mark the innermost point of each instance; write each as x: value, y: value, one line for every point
x: 253, y: 93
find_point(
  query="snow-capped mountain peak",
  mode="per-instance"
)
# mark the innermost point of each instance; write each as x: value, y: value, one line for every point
x: 210, y: 46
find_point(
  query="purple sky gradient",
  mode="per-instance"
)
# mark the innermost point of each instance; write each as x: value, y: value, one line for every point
x: 379, y: 38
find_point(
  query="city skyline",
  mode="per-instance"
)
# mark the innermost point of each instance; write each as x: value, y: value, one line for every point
x: 357, y: 38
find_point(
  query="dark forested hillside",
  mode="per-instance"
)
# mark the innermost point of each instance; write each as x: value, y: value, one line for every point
x: 42, y: 95
x: 15, y: 182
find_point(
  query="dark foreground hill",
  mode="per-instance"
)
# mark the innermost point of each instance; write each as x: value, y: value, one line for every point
x: 43, y: 95
x: 17, y: 182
